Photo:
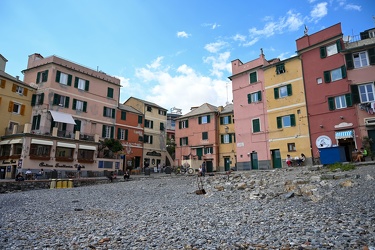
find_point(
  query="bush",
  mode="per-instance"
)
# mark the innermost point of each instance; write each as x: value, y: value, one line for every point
x: 339, y: 165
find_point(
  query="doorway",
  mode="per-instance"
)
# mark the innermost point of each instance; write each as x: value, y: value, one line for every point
x: 254, y: 160
x: 276, y: 158
x: 209, y: 166
x: 349, y: 146
x: 226, y: 163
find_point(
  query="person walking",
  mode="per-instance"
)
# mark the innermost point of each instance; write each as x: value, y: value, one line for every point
x: 203, y: 169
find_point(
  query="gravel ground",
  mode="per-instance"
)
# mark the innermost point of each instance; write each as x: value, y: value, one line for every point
x: 166, y: 213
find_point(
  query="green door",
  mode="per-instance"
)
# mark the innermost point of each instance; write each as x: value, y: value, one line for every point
x: 226, y: 163
x: 276, y: 158
x: 209, y: 166
x: 254, y: 160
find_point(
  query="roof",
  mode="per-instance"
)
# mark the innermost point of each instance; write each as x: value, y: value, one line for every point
x: 203, y: 109
x: 147, y: 103
x: 227, y: 109
x: 128, y: 108
x: 14, y: 79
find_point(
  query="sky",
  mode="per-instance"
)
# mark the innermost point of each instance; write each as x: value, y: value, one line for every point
x: 175, y: 53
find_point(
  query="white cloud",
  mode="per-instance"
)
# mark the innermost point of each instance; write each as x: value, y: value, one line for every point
x: 219, y: 64
x: 319, y: 11
x: 353, y: 7
x: 215, y: 47
x: 183, y: 87
x: 239, y: 37
x: 156, y: 63
x: 183, y: 34
x: 251, y: 42
x: 211, y: 25
x: 214, y: 26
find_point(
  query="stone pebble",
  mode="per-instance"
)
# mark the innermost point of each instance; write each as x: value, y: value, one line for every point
x: 250, y: 210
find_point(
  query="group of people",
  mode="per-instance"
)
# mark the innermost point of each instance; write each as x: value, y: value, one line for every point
x: 300, y: 160
x: 29, y: 175
x: 361, y: 154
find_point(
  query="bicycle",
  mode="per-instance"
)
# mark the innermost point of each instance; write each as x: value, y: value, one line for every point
x: 183, y: 170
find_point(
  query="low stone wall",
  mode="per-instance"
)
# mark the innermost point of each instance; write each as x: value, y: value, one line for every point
x: 17, y: 186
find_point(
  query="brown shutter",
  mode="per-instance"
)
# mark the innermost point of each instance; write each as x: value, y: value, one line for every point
x: 25, y: 90
x: 23, y: 109
x: 2, y: 83
x: 10, y: 107
x: 14, y: 87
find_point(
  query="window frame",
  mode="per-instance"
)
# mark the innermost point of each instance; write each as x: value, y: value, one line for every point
x: 360, y: 60
x: 366, y: 93
x: 253, y: 77
x: 254, y: 125
x: 254, y: 97
x: 280, y: 69
x: 291, y: 147
x: 205, y: 135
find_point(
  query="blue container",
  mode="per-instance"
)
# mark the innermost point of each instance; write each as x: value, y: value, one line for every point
x: 332, y: 155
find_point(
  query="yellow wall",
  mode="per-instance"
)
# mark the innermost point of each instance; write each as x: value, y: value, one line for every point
x: 8, y: 97
x: 227, y: 149
x: 293, y: 104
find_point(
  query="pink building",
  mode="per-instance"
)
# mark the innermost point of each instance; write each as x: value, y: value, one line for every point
x: 250, y: 114
x: 333, y: 119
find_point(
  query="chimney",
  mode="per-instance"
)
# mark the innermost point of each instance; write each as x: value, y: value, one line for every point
x: 3, y: 62
x: 18, y: 78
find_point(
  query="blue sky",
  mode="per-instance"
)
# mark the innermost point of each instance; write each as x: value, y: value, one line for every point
x: 175, y: 53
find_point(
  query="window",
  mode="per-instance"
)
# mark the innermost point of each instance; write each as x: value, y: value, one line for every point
x: 204, y: 135
x: 79, y: 105
x: 162, y: 112
x: 63, y: 153
x: 283, y: 91
x: 280, y: 69
x: 60, y: 100
x: 40, y: 150
x: 81, y: 84
x: 208, y: 150
x: 19, y: 90
x: 360, y: 59
x: 340, y: 102
x: 204, y: 119
x: 319, y: 80
x: 107, y: 131
x: 149, y: 124
x: 330, y: 49
x: 16, y: 108
x: 162, y: 126
x: 334, y: 75
x: 63, y: 78
x: 254, y: 97
x: 42, y: 76
x: 183, y: 124
x: 147, y: 139
x: 5, y: 150
x: 291, y: 147
x: 122, y: 134
x: 123, y: 115
x: 256, y: 125
x: 183, y: 141
x: 253, y: 77
x: 286, y: 121
x: 227, y: 138
x: 37, y: 99
x: 140, y: 119
x: 84, y: 154
x: 149, y: 108
x: 17, y: 149
x: 109, y: 112
x: 110, y: 92
x: 11, y: 125
x: 36, y: 122
x: 224, y: 120
x: 366, y: 92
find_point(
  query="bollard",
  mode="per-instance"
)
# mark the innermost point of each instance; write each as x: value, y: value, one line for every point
x: 53, y: 184
x: 58, y: 183
x: 64, y: 184
x: 70, y: 183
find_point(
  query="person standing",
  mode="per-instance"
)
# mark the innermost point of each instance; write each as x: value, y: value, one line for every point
x: 79, y: 171
x: 200, y: 171
x: 203, y: 169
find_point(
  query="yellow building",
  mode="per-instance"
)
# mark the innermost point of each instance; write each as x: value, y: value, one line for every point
x: 287, y: 113
x: 154, y: 136
x: 227, y: 146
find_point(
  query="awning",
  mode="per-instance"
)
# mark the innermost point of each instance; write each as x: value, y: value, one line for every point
x: 66, y: 145
x: 87, y: 147
x: 344, y: 134
x: 41, y: 142
x: 15, y: 141
x: 4, y: 142
x: 62, y: 117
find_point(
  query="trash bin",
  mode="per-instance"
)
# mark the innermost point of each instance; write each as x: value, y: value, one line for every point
x: 59, y: 183
x: 53, y: 184
x: 70, y: 183
x: 147, y: 171
x: 168, y: 170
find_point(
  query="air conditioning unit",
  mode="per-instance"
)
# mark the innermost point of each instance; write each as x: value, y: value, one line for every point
x: 370, y: 121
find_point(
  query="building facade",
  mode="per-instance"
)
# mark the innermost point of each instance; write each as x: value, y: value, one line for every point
x: 227, y: 146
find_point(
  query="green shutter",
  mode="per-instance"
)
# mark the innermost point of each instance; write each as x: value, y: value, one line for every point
x: 103, y: 131
x: 104, y: 111
x: 113, y: 113
x: 187, y: 123
x: 230, y: 138
x: 323, y: 52
x: 208, y: 118
x: 74, y: 107
x: 140, y: 119
x: 276, y: 93
x: 259, y: 95
x: 58, y: 76
x: 248, y: 98
x: 180, y: 141
x: 41, y: 100
x: 348, y: 98
x: 293, y: 120
x: 33, y: 100
x: 152, y: 124
x: 187, y: 141
x: 123, y: 115
x: 77, y: 126
x: 67, y: 99
x: 253, y: 77
x: 110, y: 92
x: 126, y: 134
x: 199, y: 120
x: 87, y: 85
x: 279, y: 122
x: 339, y: 47
x: 222, y: 138
x: 256, y: 125
x: 151, y: 139
x: 289, y: 89
x: 45, y: 76
x: 343, y: 71
x: 56, y: 100
x: 331, y: 103
x: 180, y: 124
x: 118, y: 133
x: 327, y: 76
x: 76, y: 82
x: 229, y: 119
x: 349, y: 61
x: 112, y: 132
x: 371, y: 55
x: 84, y: 107
x: 38, y: 77
x: 355, y: 94
x: 70, y: 80
x: 221, y: 120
